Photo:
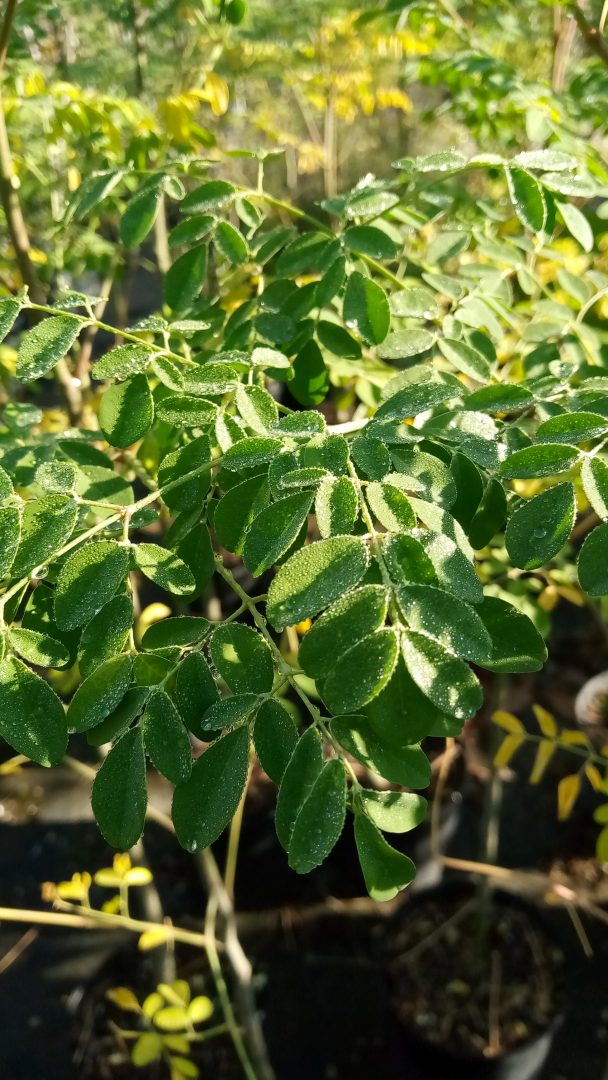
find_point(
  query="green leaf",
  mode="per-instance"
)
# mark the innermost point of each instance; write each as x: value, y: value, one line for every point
x: 122, y: 362
x: 444, y: 161
x: 594, y: 476
x: 313, y: 577
x: 231, y: 244
x: 576, y: 224
x: 593, y: 562
x: 186, y: 411
x: 408, y: 562
x: 453, y: 623
x: 100, y: 693
x: 547, y: 459
x: 229, y: 711
x: 274, y: 530
x: 165, y: 738
x: 242, y: 658
x: 42, y: 347
x: 257, y: 408
x: 205, y: 804
x: 126, y: 411
x: 302, y: 770
x: 10, y: 534
x: 371, y: 457
x: 386, y: 871
x: 331, y: 282
x: 336, y: 506
x: 538, y: 530
x: 180, y: 631
x: 208, y: 196
x: 446, y: 680
x: 349, y: 620
x: 338, y: 340
x: 404, y: 765
x: 9, y: 310
x: 366, y: 309
x: 402, y: 344
x: 39, y: 649
x: 120, y: 719
x: 88, y: 580
x: 139, y: 217
x: 320, y: 820
x: 310, y: 383
x: 545, y: 160
x: 164, y: 569
x: 413, y: 400
x: 394, y: 811
x: 119, y: 797
x: 390, y: 506
x: 251, y: 452
x: 192, y: 229
x: 237, y: 509
x: 490, y: 515
x: 185, y: 278
x: 465, y: 358
x: 186, y: 494
x: 516, y: 643
x: 527, y: 198
x: 416, y: 303
x: 573, y: 428
x: 402, y: 715
x: 195, y: 691
x: 275, y: 737
x: 32, y: 720
x: 368, y: 240
x: 47, y: 523
x: 454, y: 571
x: 311, y: 251
x: 56, y: 476
x: 106, y: 634
x: 362, y: 672
x: 425, y: 475
x: 505, y: 397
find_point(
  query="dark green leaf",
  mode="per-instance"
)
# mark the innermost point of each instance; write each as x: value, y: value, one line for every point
x: 126, y: 411
x: 164, y: 568
x: 32, y: 720
x: 205, y: 804
x: 45, y: 526
x: 404, y: 765
x: 274, y: 530
x: 366, y: 309
x: 275, y: 737
x: 242, y: 658
x: 315, y: 576
x: 100, y: 693
x: 119, y: 796
x: 362, y: 672
x: 538, y: 530
x: 446, y: 680
x: 42, y: 347
x: 299, y: 778
x: 165, y: 738
x: 320, y: 820
x: 88, y: 580
x: 385, y: 870
x: 593, y: 562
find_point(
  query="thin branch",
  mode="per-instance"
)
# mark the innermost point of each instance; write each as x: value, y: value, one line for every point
x: 5, y: 31
x: 590, y: 33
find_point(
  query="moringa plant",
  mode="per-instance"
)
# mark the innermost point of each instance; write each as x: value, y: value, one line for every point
x: 449, y: 313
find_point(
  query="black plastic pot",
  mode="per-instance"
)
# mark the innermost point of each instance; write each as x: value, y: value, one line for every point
x: 433, y: 1060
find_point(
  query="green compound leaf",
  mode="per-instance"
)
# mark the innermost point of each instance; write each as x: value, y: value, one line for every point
x: 126, y: 411
x: 229, y: 711
x: 362, y: 672
x: 242, y: 658
x: 39, y: 649
x: 119, y: 797
x: 538, y: 530
x: 368, y: 240
x: 100, y: 693
x: 10, y: 535
x: 46, y: 525
x: 336, y: 506
x: 593, y: 562
x: 274, y: 530
x: 594, y: 476
x: 516, y: 643
x: 32, y: 719
x: 572, y: 428
x: 453, y: 623
x: 275, y: 737
x: 205, y: 804
x: 208, y: 196
x: 165, y: 738
x: 231, y: 244
x: 402, y: 714
x: 122, y: 362
x: 393, y: 811
x: 164, y: 569
x: 386, y: 871
x: 548, y: 459
x: 42, y: 347
x: 315, y: 576
x: 445, y: 679
x: 186, y: 411
x: 366, y: 309
x: 404, y: 765
x: 88, y: 580
x: 320, y: 820
x: 299, y: 778
x: 352, y: 618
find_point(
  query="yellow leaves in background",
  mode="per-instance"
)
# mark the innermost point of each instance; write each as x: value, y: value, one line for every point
x: 551, y: 739
x: 121, y: 873
x: 174, y: 1013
